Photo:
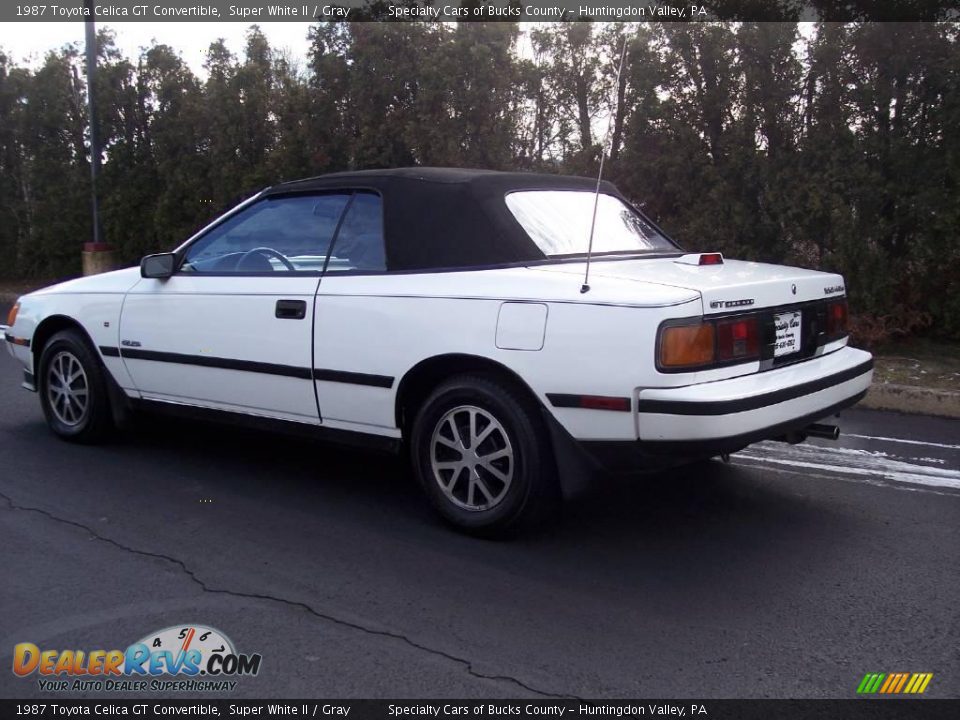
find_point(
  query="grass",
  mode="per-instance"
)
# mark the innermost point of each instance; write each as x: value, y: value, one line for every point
x: 921, y: 362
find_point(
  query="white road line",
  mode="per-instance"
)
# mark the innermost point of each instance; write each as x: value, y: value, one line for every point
x: 903, y: 441
x: 805, y: 473
x: 850, y: 461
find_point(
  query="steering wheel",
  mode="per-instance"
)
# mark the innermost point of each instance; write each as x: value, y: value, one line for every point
x: 270, y: 252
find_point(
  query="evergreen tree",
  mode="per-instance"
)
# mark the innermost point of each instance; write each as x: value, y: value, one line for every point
x: 835, y: 147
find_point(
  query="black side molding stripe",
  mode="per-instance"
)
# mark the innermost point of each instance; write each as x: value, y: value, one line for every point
x: 22, y: 342
x: 217, y: 362
x: 724, y: 407
x: 303, y: 373
x: 353, y: 378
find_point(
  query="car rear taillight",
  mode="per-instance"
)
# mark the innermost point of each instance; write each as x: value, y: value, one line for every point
x: 12, y: 315
x: 708, y: 343
x: 711, y: 259
x: 738, y: 339
x: 837, y: 318
x: 686, y: 346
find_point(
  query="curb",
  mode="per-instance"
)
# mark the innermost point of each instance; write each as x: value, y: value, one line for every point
x: 912, y: 399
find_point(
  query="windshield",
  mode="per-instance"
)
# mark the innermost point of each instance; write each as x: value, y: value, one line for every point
x: 558, y: 221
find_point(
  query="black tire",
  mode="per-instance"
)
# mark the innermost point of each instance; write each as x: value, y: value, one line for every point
x: 93, y: 422
x: 532, y: 495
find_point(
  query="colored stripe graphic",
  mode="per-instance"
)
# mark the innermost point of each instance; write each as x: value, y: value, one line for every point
x: 903, y: 680
x: 918, y: 683
x: 894, y: 683
x: 870, y: 683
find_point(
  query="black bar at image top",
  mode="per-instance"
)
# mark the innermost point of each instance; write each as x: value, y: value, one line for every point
x: 254, y: 11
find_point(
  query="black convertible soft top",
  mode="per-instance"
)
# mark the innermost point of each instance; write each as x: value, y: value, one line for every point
x: 437, y: 218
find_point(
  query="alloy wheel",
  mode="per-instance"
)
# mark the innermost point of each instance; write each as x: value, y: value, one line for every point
x: 472, y: 458
x: 68, y: 391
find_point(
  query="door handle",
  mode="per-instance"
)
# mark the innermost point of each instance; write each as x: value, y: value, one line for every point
x: 291, y: 309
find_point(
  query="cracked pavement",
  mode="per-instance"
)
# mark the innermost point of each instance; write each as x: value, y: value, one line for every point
x: 715, y: 581
x: 92, y: 534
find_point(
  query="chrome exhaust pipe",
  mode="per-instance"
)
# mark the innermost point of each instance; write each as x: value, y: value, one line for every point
x: 819, y: 430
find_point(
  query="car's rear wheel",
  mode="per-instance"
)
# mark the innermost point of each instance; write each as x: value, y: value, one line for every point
x: 73, y: 390
x: 482, y: 454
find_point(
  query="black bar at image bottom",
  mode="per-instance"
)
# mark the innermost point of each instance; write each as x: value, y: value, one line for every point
x: 852, y: 709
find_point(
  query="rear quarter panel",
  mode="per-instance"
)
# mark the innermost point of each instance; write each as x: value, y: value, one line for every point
x: 386, y: 325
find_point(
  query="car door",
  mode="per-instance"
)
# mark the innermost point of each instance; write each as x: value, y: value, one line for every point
x: 232, y: 328
x: 354, y: 367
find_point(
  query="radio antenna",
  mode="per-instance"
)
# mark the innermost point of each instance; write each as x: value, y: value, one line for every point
x: 596, y: 195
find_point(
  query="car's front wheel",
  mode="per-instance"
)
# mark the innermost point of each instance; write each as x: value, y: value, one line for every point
x: 482, y: 455
x: 73, y: 390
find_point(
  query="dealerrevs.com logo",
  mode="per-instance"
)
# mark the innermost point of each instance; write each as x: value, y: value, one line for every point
x: 188, y: 658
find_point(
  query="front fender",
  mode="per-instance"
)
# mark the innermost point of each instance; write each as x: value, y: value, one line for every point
x: 96, y: 315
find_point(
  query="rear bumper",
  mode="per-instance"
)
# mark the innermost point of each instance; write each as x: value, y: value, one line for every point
x: 744, y: 405
x: 679, y: 424
x: 619, y: 456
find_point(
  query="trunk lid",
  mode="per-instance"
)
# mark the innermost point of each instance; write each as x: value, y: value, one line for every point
x: 736, y: 285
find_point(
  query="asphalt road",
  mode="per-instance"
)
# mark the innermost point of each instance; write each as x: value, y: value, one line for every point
x: 790, y: 573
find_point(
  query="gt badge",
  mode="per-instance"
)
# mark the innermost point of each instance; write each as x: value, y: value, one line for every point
x: 714, y: 304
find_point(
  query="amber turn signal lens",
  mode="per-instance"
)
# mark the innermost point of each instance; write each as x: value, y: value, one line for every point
x: 686, y: 345
x: 12, y: 315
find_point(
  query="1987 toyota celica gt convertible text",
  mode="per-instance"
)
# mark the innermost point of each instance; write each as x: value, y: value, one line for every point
x: 441, y: 312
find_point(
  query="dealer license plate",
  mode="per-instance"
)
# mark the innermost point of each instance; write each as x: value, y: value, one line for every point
x: 788, y: 333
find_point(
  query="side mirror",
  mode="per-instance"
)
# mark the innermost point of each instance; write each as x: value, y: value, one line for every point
x: 160, y: 266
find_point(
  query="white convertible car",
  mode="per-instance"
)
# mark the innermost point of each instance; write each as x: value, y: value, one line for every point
x: 445, y: 312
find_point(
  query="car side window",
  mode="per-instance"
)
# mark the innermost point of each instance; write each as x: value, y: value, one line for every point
x: 359, y: 244
x: 277, y: 234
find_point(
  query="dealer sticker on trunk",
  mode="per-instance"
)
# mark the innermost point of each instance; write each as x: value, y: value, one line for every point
x: 788, y: 333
